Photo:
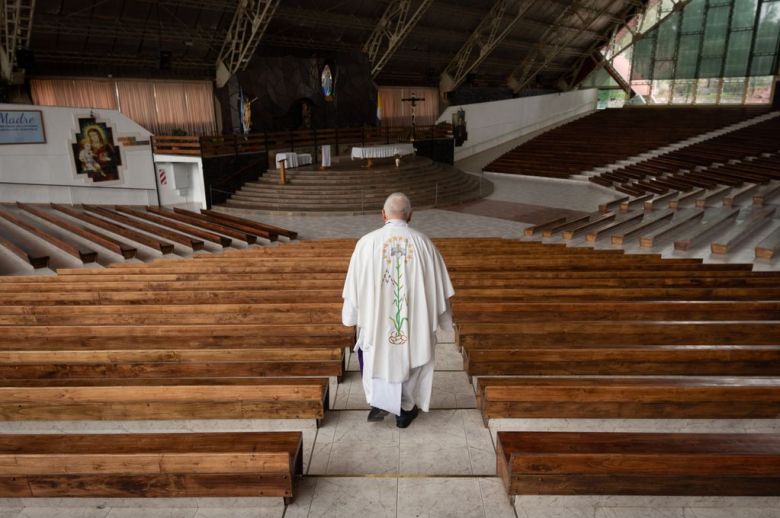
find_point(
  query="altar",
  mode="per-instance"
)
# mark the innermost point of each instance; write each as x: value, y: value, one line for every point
x: 384, y: 151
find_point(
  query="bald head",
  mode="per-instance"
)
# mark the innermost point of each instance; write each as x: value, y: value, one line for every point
x: 397, y: 206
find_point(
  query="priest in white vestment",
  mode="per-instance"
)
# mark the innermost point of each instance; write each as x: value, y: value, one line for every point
x: 397, y: 292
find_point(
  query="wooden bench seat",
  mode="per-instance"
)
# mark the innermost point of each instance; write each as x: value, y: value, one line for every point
x: 163, y: 399
x: 577, y: 294
x: 633, y: 359
x: 70, y: 247
x: 640, y: 397
x: 485, y: 281
x: 114, y: 363
x: 506, y: 335
x: 250, y: 239
x: 171, y: 297
x: 237, y: 464
x: 177, y: 336
x: 502, y: 312
x: 582, y: 463
x: 24, y: 252
x: 118, y: 247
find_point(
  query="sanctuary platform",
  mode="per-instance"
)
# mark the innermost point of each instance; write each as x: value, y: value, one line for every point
x: 352, y: 186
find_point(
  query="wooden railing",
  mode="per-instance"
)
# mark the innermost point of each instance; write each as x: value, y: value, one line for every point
x: 188, y: 146
x: 339, y: 138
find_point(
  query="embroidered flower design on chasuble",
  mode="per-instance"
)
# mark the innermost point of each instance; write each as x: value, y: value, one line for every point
x: 396, y: 252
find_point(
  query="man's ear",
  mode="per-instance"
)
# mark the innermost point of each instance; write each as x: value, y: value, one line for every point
x: 384, y: 216
x: 410, y: 217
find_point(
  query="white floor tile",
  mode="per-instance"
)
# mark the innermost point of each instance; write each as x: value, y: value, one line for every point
x: 341, y: 497
x: 440, y: 498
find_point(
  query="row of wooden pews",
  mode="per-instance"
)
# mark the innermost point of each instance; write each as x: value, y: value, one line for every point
x: 687, y: 220
x: 148, y: 342
x: 661, y: 339
x: 547, y: 330
x: 743, y: 157
x: 608, y: 136
x: 118, y: 233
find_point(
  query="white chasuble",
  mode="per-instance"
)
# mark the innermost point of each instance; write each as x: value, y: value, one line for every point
x: 396, y: 292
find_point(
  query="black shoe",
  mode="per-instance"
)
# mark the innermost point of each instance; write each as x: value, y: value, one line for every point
x: 377, y: 414
x: 406, y: 417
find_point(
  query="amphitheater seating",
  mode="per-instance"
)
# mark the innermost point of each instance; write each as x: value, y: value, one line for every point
x: 745, y: 155
x: 152, y: 465
x: 121, y: 230
x: 607, y: 136
x: 571, y: 463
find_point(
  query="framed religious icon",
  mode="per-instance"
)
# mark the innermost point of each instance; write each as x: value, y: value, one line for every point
x: 326, y: 81
x: 95, y: 153
x: 22, y: 127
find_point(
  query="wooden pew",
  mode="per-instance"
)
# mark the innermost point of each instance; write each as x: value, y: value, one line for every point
x: 648, y: 310
x: 235, y: 464
x: 213, y: 227
x: 246, y: 222
x: 497, y: 336
x: 578, y: 463
x: 84, y: 255
x: 175, y: 336
x: 661, y: 200
x: 182, y: 239
x: 118, y: 247
x: 573, y: 232
x: 249, y: 229
x: 738, y: 196
x: 185, y: 229
x: 628, y: 221
x: 27, y: 255
x: 676, y: 225
x: 727, y: 242
x: 617, y: 397
x: 530, y: 231
x: 699, y: 233
x: 151, y: 363
x: 163, y: 398
x: 633, y: 360
x: 767, y: 248
x: 685, y: 199
x: 648, y: 223
x: 163, y: 246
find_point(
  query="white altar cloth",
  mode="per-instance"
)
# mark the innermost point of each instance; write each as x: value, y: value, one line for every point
x: 387, y: 151
x: 293, y: 159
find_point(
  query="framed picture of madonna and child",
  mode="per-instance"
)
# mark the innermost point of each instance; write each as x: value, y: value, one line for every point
x: 95, y: 153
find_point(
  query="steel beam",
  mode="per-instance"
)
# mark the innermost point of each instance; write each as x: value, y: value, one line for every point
x: 393, y: 27
x: 493, y: 28
x: 16, y: 18
x: 247, y: 28
x: 615, y: 48
x: 554, y: 41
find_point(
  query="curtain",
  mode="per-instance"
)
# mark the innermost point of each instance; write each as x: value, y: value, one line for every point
x: 158, y: 106
x: 200, y: 107
x: 76, y: 93
x: 136, y: 100
x: 395, y: 112
x: 171, y: 103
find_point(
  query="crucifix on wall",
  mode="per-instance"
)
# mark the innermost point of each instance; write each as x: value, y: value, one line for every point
x: 414, y: 100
